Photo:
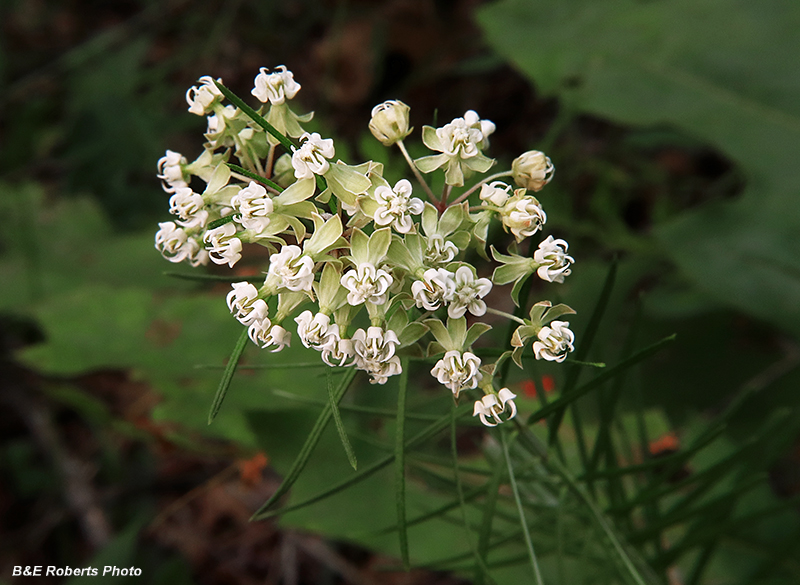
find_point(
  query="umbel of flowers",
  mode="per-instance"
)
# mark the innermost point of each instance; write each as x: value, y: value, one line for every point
x: 364, y: 270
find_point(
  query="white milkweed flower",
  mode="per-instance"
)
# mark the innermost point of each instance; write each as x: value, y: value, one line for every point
x: 366, y: 283
x: 468, y: 294
x: 336, y: 352
x: 435, y: 289
x: 524, y: 216
x: 532, y: 170
x: 222, y: 244
x: 170, y: 171
x: 389, y: 122
x: 295, y: 270
x: 555, y: 342
x: 316, y: 330
x: 554, y: 264
x: 174, y: 243
x: 380, y: 372
x: 495, y: 193
x: 375, y: 353
x: 255, y: 206
x: 494, y: 406
x: 485, y: 127
x: 460, y: 144
x: 460, y: 139
x: 311, y: 157
x: 374, y: 344
x: 458, y: 371
x: 439, y: 251
x: 201, y: 98
x: 245, y: 305
x: 189, y: 206
x: 275, y: 87
x: 265, y: 334
x: 395, y: 205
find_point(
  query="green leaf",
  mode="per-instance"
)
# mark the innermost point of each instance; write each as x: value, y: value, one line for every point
x: 565, y: 400
x: 296, y: 192
x: 582, y: 351
x: 400, y: 464
x: 416, y: 440
x: 227, y: 376
x: 333, y: 401
x: 221, y: 221
x: 524, y: 523
x: 255, y: 177
x: 308, y: 447
x: 734, y: 85
x: 489, y: 508
x: 258, y: 119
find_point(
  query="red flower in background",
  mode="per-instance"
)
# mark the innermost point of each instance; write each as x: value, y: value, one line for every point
x: 529, y: 386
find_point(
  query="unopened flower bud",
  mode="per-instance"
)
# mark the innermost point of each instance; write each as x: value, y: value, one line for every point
x: 389, y: 122
x: 532, y: 170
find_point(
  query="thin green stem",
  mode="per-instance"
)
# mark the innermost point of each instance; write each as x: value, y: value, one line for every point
x: 417, y: 174
x: 479, y: 184
x: 506, y: 315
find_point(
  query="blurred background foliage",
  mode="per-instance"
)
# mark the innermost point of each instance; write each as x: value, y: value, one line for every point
x: 674, y: 127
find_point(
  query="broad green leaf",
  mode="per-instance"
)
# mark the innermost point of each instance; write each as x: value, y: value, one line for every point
x: 724, y: 71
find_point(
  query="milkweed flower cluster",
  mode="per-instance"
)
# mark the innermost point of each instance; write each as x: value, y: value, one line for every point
x: 363, y: 270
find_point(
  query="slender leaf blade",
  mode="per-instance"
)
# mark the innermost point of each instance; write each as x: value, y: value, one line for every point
x: 400, y: 465
x: 308, y: 447
x: 227, y: 376
x: 337, y: 419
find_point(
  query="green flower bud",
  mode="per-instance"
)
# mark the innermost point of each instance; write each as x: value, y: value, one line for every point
x: 389, y: 122
x: 532, y: 170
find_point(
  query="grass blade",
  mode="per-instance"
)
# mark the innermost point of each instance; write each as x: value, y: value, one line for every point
x: 525, y: 532
x: 337, y: 419
x: 255, y: 116
x: 400, y: 465
x: 255, y: 177
x: 424, y: 435
x: 227, y: 376
x: 308, y: 447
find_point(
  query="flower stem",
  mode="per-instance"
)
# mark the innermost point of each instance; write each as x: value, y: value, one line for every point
x: 270, y: 161
x: 445, y: 195
x: 416, y: 172
x: 476, y: 186
x: 506, y: 315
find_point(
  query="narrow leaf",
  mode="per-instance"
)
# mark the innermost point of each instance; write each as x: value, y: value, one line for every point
x: 258, y: 119
x: 421, y: 437
x: 525, y: 531
x: 489, y: 508
x: 564, y: 401
x: 308, y: 447
x: 213, y: 277
x: 255, y: 177
x: 221, y: 221
x: 462, y: 504
x: 337, y: 419
x: 227, y: 376
x: 580, y: 355
x: 400, y: 465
